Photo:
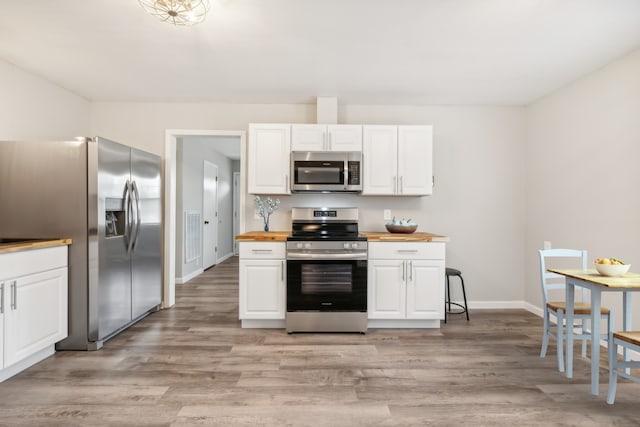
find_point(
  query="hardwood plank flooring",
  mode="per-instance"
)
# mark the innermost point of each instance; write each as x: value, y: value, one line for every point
x: 193, y: 365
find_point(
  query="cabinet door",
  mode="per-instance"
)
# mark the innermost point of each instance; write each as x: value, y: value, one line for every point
x: 36, y: 316
x: 344, y: 138
x: 308, y: 137
x: 3, y: 306
x: 269, y: 150
x: 262, y: 289
x: 415, y: 160
x: 386, y: 293
x: 425, y: 289
x: 380, y: 160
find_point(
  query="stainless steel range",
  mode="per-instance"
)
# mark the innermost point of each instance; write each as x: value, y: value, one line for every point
x: 326, y: 272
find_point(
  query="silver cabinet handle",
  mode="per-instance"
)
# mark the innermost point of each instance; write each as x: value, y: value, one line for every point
x: 404, y: 263
x: 411, y: 271
x: 395, y: 185
x: 14, y: 295
x: 401, y: 184
x: 412, y: 251
x: 329, y: 144
x: 282, y: 272
x: 286, y: 183
x: 1, y: 297
x: 261, y: 250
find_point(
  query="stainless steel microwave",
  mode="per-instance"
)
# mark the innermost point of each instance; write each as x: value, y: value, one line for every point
x: 326, y: 171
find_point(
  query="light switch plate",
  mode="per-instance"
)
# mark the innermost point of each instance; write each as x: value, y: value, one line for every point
x: 546, y: 245
x: 387, y: 214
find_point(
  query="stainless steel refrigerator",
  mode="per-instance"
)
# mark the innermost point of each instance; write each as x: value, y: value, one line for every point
x: 107, y: 198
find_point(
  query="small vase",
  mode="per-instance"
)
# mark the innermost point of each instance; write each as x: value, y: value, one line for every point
x: 266, y: 225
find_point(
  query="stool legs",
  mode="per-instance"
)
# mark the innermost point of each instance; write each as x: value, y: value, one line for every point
x: 447, y: 303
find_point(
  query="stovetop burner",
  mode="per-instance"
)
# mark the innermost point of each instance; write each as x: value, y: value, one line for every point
x: 326, y: 224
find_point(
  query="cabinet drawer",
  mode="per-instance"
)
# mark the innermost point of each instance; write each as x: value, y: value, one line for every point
x: 408, y: 250
x: 262, y: 250
x: 15, y: 264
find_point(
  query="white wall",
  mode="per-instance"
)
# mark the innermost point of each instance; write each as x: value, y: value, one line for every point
x: 582, y: 159
x: 32, y: 108
x: 479, y: 166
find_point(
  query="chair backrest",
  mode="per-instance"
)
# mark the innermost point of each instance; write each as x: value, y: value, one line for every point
x: 550, y: 281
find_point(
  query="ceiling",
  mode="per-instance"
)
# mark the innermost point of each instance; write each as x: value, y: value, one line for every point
x: 416, y: 52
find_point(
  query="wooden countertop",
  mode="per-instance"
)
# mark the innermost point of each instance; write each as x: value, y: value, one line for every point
x: 384, y: 236
x: 263, y: 236
x: 372, y: 236
x: 32, y: 244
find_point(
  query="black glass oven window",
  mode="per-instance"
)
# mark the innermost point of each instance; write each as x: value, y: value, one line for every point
x: 313, y: 172
x: 319, y: 279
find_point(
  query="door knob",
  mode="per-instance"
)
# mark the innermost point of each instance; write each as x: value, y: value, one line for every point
x: 206, y: 222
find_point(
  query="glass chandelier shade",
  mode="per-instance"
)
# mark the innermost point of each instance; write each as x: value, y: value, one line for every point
x: 177, y: 12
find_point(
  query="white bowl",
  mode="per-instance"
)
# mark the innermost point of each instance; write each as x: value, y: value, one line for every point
x: 612, y: 270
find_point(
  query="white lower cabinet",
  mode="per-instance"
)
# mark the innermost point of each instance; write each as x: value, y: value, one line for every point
x: 262, y: 282
x: 406, y: 281
x: 33, y: 303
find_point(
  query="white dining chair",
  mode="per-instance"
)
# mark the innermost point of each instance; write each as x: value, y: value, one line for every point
x: 582, y: 308
x: 620, y: 368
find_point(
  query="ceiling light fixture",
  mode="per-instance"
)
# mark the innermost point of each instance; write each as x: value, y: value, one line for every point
x: 177, y: 12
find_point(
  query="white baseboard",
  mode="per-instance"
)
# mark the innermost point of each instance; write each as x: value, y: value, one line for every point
x: 185, y: 279
x: 225, y: 257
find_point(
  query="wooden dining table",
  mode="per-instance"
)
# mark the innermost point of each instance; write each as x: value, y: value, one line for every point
x: 596, y: 283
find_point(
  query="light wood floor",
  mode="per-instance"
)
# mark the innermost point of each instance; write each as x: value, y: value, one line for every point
x: 193, y: 365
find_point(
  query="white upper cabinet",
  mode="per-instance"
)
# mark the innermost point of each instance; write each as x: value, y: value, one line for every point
x: 415, y: 160
x: 268, y: 164
x: 398, y: 160
x: 326, y: 137
x: 380, y: 160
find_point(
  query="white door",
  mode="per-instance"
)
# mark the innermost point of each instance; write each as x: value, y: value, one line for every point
x: 308, y: 137
x: 236, y: 211
x: 344, y: 138
x: 380, y: 155
x: 210, y: 215
x: 425, y: 289
x: 36, y: 315
x: 262, y: 289
x: 386, y: 291
x: 415, y: 160
x: 268, y: 158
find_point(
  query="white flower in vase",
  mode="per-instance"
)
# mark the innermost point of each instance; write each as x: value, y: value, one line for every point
x: 266, y: 208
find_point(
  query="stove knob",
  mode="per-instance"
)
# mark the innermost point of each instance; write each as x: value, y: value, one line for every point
x: 345, y: 245
x: 298, y: 245
x: 307, y: 245
x: 354, y: 246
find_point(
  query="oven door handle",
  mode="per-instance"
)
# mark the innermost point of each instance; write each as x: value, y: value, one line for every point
x: 328, y: 256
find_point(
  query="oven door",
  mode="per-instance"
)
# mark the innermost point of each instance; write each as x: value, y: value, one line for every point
x: 327, y: 285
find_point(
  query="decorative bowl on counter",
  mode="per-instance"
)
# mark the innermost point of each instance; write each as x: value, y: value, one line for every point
x: 612, y: 270
x: 401, y: 228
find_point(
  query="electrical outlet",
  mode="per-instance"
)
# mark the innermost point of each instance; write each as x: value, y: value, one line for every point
x: 546, y: 245
x: 387, y: 214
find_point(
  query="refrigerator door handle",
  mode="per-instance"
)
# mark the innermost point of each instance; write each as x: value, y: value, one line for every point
x: 128, y: 219
x: 137, y: 196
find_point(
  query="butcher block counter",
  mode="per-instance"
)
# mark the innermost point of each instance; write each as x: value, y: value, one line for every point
x: 16, y: 245
x: 372, y: 236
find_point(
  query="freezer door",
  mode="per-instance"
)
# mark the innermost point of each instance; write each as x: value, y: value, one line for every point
x: 110, y: 295
x: 146, y: 257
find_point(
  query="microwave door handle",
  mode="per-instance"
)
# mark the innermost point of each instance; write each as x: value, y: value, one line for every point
x: 345, y: 176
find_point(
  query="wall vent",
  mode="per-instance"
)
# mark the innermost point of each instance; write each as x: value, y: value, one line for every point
x: 192, y: 236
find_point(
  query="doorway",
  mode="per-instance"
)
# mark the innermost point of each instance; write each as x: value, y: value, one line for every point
x: 210, y: 215
x: 170, y: 199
